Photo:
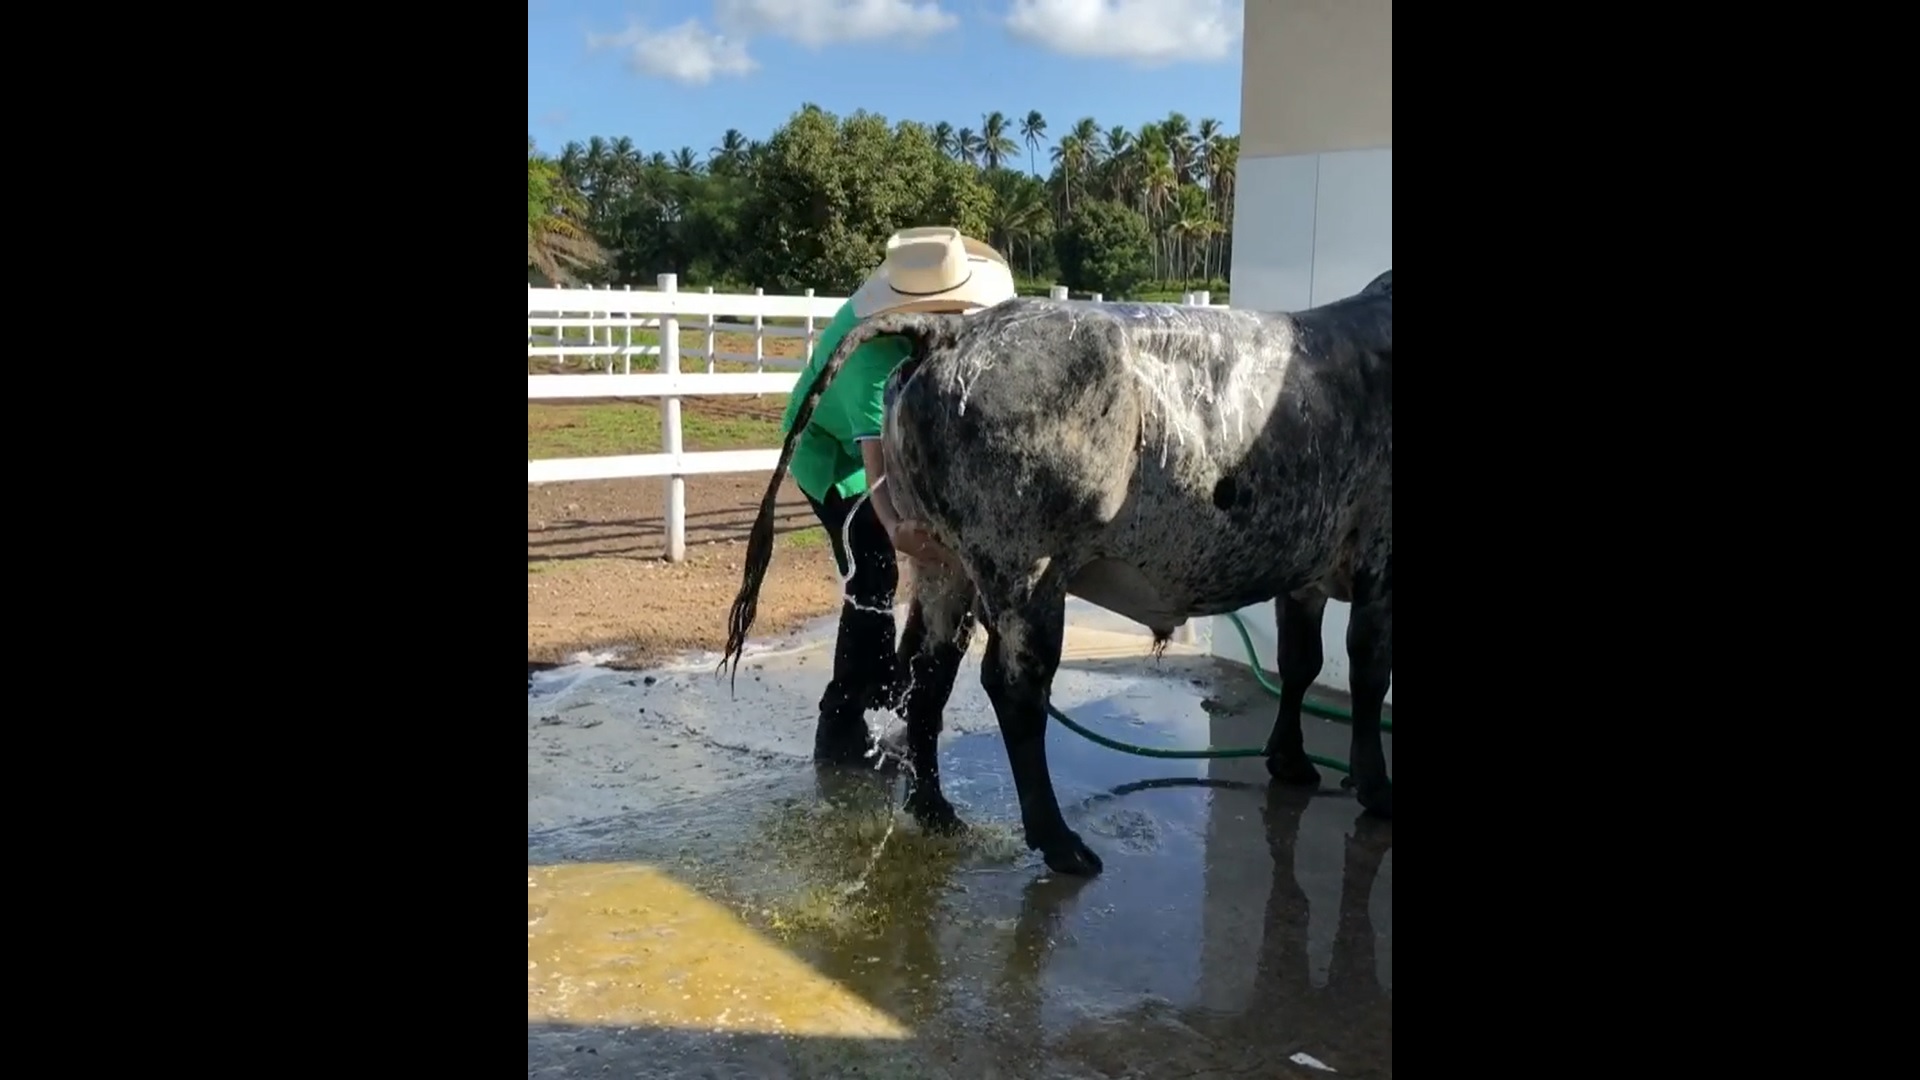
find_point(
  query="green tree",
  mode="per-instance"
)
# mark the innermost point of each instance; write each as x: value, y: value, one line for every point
x: 558, y: 242
x: 1104, y: 248
x: 830, y: 192
x: 811, y: 205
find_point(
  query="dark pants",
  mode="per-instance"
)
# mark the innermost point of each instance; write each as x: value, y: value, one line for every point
x: 863, y: 654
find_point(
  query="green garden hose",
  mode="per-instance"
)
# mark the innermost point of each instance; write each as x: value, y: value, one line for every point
x: 1253, y: 661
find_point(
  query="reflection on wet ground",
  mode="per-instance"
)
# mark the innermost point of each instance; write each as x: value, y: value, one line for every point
x: 702, y: 902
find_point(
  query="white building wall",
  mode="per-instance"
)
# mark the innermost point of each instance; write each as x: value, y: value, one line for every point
x: 1313, y: 221
x: 1308, y: 229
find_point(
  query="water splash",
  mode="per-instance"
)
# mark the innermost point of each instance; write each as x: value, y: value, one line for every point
x: 859, y: 883
x: 982, y: 362
x: 846, y: 545
x: 1205, y: 371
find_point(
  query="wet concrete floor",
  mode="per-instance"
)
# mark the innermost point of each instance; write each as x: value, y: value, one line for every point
x: 701, y: 902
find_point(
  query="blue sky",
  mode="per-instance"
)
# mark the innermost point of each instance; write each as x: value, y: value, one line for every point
x: 672, y: 73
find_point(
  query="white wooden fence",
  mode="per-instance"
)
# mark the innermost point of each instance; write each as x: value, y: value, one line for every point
x: 610, y: 317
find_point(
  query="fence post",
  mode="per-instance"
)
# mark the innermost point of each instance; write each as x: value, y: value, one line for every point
x: 626, y: 337
x: 1204, y: 298
x: 759, y: 334
x: 1096, y: 298
x: 709, y: 333
x: 594, y: 337
x: 1057, y: 292
x: 670, y: 425
x: 529, y: 322
x: 809, y: 351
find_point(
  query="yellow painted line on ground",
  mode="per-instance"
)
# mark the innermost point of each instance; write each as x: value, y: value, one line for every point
x: 1091, y: 644
x: 625, y: 944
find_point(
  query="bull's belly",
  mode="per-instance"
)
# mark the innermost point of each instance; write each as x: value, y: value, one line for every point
x: 1160, y: 598
x: 1122, y: 589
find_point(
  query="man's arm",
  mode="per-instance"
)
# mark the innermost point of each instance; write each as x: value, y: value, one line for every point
x: 914, y: 541
x: 881, y: 498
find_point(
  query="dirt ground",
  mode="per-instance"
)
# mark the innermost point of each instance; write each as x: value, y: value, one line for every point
x: 598, y: 576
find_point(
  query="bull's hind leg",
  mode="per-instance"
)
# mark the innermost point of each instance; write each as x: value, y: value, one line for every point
x: 939, y: 626
x: 1300, y: 658
x: 1025, y: 630
x: 1370, y: 654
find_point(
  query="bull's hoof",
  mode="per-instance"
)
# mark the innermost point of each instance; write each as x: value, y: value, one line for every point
x: 934, y: 813
x: 1071, y: 856
x: 1378, y: 799
x: 1293, y: 770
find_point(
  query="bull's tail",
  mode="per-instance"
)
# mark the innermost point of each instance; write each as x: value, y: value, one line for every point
x: 927, y: 331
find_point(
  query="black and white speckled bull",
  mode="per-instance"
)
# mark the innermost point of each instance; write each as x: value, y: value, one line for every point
x: 1161, y: 461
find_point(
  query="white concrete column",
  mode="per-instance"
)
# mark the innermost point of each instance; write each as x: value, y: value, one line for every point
x: 1313, y: 209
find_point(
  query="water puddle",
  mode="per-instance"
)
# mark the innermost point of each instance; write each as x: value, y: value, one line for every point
x: 701, y: 898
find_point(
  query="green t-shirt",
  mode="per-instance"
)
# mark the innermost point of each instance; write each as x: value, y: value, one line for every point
x: 827, y: 457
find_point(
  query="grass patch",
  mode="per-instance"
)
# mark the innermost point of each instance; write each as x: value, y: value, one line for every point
x: 605, y: 429
x: 815, y: 537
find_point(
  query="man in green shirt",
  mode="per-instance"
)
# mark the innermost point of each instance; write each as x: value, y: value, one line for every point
x: 837, y: 461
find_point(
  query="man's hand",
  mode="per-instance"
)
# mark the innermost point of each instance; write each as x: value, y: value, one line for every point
x: 913, y: 539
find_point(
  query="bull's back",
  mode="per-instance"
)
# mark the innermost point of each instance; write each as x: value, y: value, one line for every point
x: 1267, y: 441
x: 1207, y: 458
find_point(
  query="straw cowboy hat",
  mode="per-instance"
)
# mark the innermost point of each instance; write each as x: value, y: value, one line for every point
x: 934, y: 269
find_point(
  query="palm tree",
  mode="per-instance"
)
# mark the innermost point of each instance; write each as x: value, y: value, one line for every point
x: 1189, y: 225
x: 557, y: 242
x: 1119, y: 163
x: 1157, y: 188
x: 965, y: 145
x: 1071, y: 155
x: 1019, y: 212
x: 727, y: 158
x: 943, y: 138
x: 1031, y: 129
x: 685, y: 163
x: 1207, y: 146
x: 573, y: 163
x: 1076, y: 154
x: 995, y: 145
x: 1179, y: 139
x: 1087, y: 130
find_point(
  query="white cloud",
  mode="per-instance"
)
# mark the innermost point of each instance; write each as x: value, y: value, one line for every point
x: 816, y: 23
x: 688, y: 53
x: 1151, y: 33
